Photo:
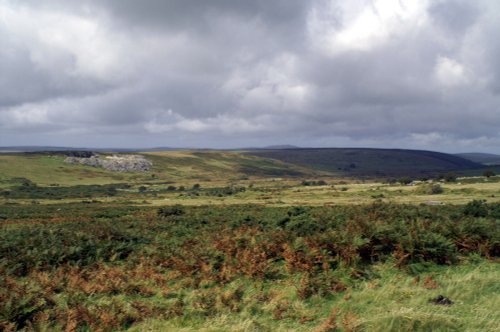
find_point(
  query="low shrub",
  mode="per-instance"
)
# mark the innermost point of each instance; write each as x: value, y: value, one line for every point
x: 167, y: 211
x: 475, y: 208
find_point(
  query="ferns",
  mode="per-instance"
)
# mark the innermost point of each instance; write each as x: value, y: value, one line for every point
x: 66, y: 271
x: 33, y: 248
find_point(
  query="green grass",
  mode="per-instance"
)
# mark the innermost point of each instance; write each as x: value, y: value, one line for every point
x: 391, y: 301
x: 47, y: 170
x: 398, y: 302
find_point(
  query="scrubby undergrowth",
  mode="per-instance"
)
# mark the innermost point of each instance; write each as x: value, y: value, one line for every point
x: 246, y: 268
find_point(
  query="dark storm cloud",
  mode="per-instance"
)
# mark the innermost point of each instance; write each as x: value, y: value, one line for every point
x: 184, y: 14
x: 232, y: 73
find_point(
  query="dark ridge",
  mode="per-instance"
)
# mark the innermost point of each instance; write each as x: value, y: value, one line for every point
x: 371, y: 162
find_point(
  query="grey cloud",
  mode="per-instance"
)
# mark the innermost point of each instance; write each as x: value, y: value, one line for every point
x: 455, y: 16
x: 238, y: 73
x: 22, y: 80
x: 198, y: 15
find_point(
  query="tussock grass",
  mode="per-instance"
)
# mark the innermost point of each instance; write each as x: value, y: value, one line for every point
x: 394, y: 301
x: 400, y: 303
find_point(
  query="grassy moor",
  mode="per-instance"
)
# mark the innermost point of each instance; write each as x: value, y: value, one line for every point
x: 225, y: 241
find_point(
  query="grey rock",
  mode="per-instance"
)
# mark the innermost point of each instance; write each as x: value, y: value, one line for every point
x: 115, y: 163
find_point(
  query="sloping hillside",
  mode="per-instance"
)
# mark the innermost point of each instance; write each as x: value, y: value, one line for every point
x: 371, y: 162
x: 482, y: 158
x: 220, y: 164
x: 49, y: 168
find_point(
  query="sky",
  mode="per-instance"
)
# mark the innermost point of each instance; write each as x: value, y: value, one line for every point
x: 231, y: 73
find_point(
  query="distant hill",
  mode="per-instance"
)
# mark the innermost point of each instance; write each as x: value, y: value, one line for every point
x: 281, y: 161
x: 270, y: 147
x: 28, y: 148
x: 371, y: 162
x: 12, y: 149
x: 482, y: 158
x: 281, y: 147
x: 15, y: 149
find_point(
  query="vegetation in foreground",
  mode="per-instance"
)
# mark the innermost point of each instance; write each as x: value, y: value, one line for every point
x: 376, y: 267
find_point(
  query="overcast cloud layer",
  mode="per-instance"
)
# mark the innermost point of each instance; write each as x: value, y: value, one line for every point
x: 228, y: 73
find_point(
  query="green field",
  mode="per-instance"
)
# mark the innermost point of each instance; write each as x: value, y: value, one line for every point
x: 224, y: 241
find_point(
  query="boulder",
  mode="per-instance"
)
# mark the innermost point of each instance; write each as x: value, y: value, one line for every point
x: 115, y: 163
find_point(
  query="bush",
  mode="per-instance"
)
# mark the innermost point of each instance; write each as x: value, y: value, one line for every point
x: 405, y: 180
x: 425, y: 246
x: 476, y: 208
x: 304, y: 225
x: 428, y: 189
x: 448, y: 177
x: 436, y: 189
x: 174, y: 210
x: 314, y: 183
x: 226, y: 191
x: 488, y: 173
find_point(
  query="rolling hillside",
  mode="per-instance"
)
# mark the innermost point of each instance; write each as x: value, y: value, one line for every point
x: 49, y: 168
x: 371, y: 162
x: 220, y: 164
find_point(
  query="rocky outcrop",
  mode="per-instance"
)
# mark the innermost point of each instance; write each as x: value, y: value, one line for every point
x: 115, y: 163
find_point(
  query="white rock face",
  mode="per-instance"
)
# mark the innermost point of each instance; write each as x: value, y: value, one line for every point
x: 115, y: 163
